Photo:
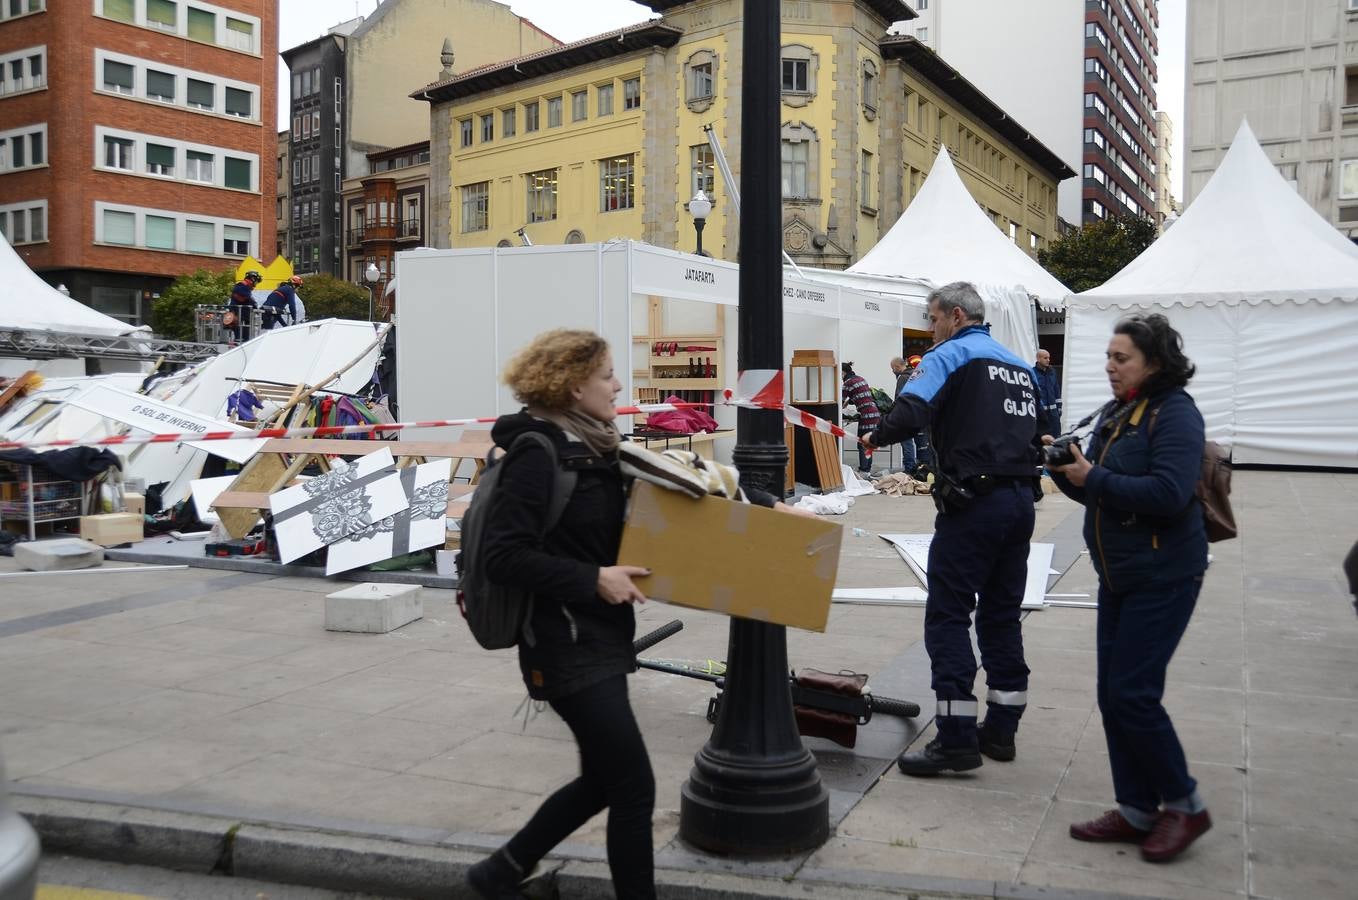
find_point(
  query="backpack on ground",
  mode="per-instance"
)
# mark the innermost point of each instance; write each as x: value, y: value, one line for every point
x: 498, y: 615
x: 883, y: 400
x: 1213, y: 489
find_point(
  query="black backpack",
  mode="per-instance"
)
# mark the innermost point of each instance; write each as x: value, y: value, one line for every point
x: 499, y: 615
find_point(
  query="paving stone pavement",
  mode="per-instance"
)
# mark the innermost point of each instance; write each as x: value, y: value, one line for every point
x: 205, y: 691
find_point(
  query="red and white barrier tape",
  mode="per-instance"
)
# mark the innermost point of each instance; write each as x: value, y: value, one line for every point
x: 794, y: 416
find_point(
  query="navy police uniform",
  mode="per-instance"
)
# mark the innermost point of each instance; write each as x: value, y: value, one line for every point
x: 980, y: 404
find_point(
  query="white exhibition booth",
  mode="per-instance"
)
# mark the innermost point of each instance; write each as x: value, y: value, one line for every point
x: 464, y: 313
x: 1265, y: 293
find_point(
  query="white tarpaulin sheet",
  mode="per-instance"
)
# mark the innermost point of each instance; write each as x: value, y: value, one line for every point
x: 914, y: 549
x: 32, y: 304
x: 1265, y: 294
x: 144, y: 414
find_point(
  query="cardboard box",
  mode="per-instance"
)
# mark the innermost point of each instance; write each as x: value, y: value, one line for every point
x: 135, y: 503
x: 111, y: 529
x: 732, y: 558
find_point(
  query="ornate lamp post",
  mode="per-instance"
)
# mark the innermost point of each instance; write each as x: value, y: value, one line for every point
x: 371, y: 275
x: 700, y: 208
x: 754, y: 788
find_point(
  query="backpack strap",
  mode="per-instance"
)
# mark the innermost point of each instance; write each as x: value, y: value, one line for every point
x: 563, y: 482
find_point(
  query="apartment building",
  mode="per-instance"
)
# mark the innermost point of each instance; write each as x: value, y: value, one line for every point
x: 1080, y: 73
x: 137, y: 141
x: 604, y: 138
x: 349, y: 103
x: 1289, y: 69
x: 1165, y: 204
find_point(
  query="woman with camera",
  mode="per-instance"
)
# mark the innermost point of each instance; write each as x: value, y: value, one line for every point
x: 1144, y: 528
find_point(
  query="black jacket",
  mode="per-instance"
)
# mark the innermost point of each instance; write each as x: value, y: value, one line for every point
x: 579, y: 639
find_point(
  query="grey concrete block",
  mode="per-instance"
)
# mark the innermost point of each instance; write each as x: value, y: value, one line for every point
x: 373, y: 608
x: 60, y: 555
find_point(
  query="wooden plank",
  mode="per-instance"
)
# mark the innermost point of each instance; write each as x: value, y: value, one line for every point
x: 826, y: 449
x: 260, y: 474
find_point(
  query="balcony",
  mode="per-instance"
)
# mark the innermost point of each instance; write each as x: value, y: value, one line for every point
x: 355, y: 238
x: 409, y: 230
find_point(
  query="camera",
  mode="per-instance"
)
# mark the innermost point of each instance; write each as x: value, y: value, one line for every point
x: 1058, y: 452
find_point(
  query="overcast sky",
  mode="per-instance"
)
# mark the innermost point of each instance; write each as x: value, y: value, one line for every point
x: 571, y: 20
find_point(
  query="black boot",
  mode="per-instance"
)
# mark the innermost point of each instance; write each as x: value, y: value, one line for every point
x: 996, y: 744
x: 936, y: 759
x: 496, y: 877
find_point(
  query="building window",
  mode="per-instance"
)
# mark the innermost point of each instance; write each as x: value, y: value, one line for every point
x: 869, y: 88
x: 867, y: 178
x: 159, y: 86
x: 162, y: 14
x: 160, y: 232
x: 159, y: 159
x: 487, y: 128
x: 1032, y: 242
x: 235, y: 240
x: 531, y: 112
x: 24, y: 223
x: 23, y: 148
x: 922, y: 35
x: 198, y: 166
x: 118, y: 77
x: 240, y: 35
x: 239, y: 103
x: 703, y: 165
x: 237, y: 173
x: 800, y: 160
x: 553, y: 112
x: 799, y: 67
x: 509, y: 120
x: 603, y: 97
x: 1013, y: 232
x: 202, y: 95
x: 23, y: 70
x: 202, y: 25
x: 796, y: 76
x: 700, y: 82
x: 198, y: 236
x: 631, y: 94
x: 617, y: 183
x: 14, y: 8
x: 475, y: 207
x: 579, y: 106
x: 465, y: 131
x: 921, y: 5
x: 119, y: 10
x: 542, y: 195
x: 1348, y: 178
x: 120, y: 227
x: 117, y: 154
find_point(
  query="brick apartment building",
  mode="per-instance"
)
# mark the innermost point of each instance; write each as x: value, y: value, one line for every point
x: 137, y: 141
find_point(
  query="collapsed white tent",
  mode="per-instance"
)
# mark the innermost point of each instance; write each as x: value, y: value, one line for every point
x: 1265, y: 293
x: 943, y: 236
x: 31, y: 304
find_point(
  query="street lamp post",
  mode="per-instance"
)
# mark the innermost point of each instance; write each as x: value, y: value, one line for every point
x: 371, y: 275
x: 700, y: 208
x: 754, y: 788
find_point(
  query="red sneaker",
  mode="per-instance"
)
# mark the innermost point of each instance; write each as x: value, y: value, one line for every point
x: 1110, y: 826
x: 1172, y: 834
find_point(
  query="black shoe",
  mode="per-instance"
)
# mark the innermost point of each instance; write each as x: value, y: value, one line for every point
x: 995, y: 745
x: 495, y: 878
x: 936, y: 759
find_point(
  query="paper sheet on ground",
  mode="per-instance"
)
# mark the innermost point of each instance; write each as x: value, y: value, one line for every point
x: 914, y: 549
x: 349, y: 498
x: 893, y: 596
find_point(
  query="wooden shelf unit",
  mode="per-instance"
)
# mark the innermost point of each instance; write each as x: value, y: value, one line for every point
x: 664, y: 374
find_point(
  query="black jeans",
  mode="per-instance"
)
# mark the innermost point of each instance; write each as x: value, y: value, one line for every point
x: 615, y: 772
x: 1138, y: 631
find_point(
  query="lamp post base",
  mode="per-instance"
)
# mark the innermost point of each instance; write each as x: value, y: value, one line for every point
x: 753, y: 807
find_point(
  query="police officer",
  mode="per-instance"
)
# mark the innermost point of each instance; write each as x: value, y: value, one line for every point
x: 980, y: 404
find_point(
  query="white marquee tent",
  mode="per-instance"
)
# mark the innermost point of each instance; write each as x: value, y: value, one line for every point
x: 1265, y: 293
x: 944, y: 236
x: 29, y: 303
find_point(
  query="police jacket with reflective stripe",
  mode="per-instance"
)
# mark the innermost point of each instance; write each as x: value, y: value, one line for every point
x: 978, y: 401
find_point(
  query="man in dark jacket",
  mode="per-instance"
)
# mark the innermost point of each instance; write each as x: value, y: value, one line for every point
x: 1048, y: 394
x: 978, y: 400
x: 280, y: 307
x: 242, y: 304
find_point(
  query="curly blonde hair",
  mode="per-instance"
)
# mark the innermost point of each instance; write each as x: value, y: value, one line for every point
x: 544, y: 373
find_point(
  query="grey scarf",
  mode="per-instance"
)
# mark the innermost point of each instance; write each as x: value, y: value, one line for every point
x: 601, y: 438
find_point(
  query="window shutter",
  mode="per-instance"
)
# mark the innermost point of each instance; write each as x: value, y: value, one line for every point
x: 119, y: 227
x: 198, y: 236
x: 237, y: 173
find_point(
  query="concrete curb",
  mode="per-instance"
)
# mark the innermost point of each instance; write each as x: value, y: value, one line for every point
x: 427, y: 864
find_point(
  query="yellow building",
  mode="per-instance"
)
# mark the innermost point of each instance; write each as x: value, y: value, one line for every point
x: 604, y: 138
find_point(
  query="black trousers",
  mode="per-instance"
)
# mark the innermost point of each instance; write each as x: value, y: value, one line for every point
x: 1139, y: 631
x: 615, y: 773
x: 979, y: 561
